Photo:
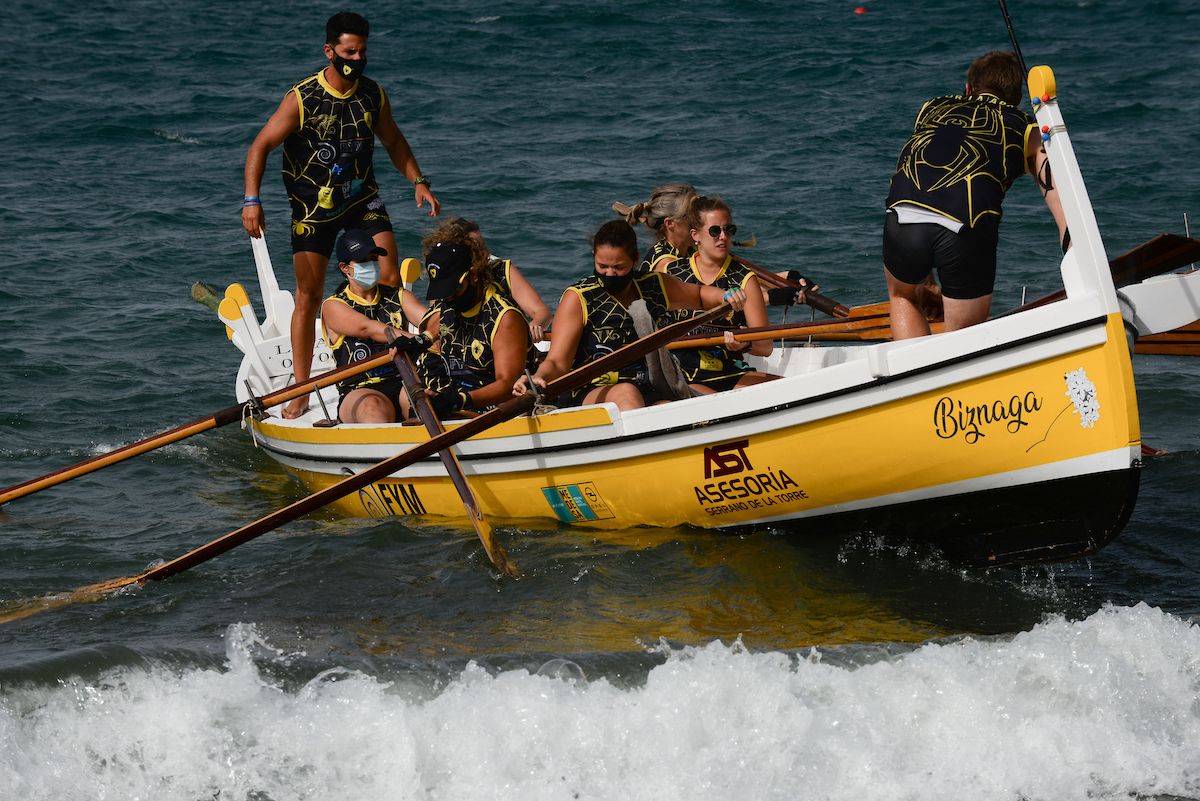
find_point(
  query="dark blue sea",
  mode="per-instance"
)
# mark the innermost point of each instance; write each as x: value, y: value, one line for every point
x: 351, y: 659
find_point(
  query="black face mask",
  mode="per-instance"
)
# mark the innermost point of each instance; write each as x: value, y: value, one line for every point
x: 463, y: 301
x: 613, y: 284
x: 350, y: 70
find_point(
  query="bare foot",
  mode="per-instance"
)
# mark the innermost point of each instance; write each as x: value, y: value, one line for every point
x: 296, y: 408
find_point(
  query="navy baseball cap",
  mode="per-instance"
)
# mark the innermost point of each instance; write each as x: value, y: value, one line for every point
x: 357, y: 245
x: 447, y: 265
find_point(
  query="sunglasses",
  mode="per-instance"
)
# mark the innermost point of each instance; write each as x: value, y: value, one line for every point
x: 715, y: 230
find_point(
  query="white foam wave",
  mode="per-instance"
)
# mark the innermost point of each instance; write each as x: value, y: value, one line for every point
x: 1101, y: 708
x: 175, y: 136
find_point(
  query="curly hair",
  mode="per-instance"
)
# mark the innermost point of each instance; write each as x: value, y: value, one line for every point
x: 457, y: 231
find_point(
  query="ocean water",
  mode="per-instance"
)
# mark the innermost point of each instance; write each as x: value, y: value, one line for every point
x: 340, y: 659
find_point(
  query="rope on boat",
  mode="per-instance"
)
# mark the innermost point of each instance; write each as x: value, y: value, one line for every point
x: 247, y: 412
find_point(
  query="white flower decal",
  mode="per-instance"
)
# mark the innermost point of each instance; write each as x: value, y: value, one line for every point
x: 1082, y: 393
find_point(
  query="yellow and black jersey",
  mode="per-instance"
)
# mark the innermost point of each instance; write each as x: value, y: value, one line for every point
x: 465, y: 341
x: 661, y: 252
x: 387, y: 308
x: 733, y: 275
x: 607, y: 324
x: 499, y: 269
x: 328, y: 163
x: 716, y: 366
x: 964, y: 154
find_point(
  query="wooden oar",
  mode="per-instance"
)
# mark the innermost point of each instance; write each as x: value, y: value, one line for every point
x: 428, y: 417
x: 520, y: 404
x: 1162, y: 254
x: 856, y: 326
x: 231, y: 414
x: 818, y: 301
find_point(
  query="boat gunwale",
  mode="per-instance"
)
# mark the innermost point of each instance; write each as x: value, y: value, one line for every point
x: 626, y: 437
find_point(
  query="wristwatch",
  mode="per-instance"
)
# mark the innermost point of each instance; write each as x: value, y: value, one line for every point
x: 421, y: 179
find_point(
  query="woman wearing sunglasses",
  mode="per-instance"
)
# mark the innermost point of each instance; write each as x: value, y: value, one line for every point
x: 710, y: 370
x: 594, y: 319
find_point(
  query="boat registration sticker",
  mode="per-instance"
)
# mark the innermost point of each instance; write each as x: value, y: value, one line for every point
x: 575, y: 503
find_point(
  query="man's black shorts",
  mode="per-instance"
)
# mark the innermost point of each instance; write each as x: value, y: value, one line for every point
x: 319, y: 237
x: 965, y: 262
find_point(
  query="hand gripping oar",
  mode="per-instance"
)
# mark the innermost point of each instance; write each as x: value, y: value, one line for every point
x: 513, y: 407
x: 428, y: 417
x: 815, y: 299
x: 231, y: 414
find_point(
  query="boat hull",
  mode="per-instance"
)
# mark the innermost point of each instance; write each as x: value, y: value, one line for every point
x: 1023, y: 452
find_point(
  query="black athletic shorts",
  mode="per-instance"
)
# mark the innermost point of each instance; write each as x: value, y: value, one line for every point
x: 965, y: 262
x: 391, y: 387
x: 319, y: 237
x: 569, y: 400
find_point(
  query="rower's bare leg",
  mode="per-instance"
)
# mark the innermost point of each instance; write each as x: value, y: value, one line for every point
x: 389, y: 265
x: 366, y: 406
x: 310, y: 289
x: 962, y: 313
x: 907, y: 319
x: 625, y: 395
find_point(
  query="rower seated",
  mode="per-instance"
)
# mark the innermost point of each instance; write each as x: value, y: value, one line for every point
x: 595, y: 318
x: 716, y: 369
x: 481, y: 340
x: 511, y: 282
x: 357, y: 319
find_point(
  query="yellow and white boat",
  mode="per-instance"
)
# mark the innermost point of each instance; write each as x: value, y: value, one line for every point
x: 1013, y: 440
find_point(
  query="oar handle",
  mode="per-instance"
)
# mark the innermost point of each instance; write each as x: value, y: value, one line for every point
x: 825, y: 304
x: 818, y: 301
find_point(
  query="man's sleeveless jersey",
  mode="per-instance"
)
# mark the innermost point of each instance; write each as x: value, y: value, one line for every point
x: 607, y: 324
x: 466, y: 341
x: 964, y: 154
x: 387, y: 308
x: 328, y: 162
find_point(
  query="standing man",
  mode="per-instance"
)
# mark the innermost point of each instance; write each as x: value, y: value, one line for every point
x: 327, y: 125
x: 943, y: 210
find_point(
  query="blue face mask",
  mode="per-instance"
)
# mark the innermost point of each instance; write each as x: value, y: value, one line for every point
x: 366, y: 273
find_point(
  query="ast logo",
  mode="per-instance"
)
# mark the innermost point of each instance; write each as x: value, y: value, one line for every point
x: 721, y: 460
x: 749, y: 491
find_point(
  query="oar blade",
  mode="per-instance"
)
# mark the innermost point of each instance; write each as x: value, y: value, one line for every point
x: 428, y: 417
x: 19, y: 610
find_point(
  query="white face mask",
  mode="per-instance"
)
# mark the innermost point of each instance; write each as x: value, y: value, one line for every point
x: 366, y: 273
